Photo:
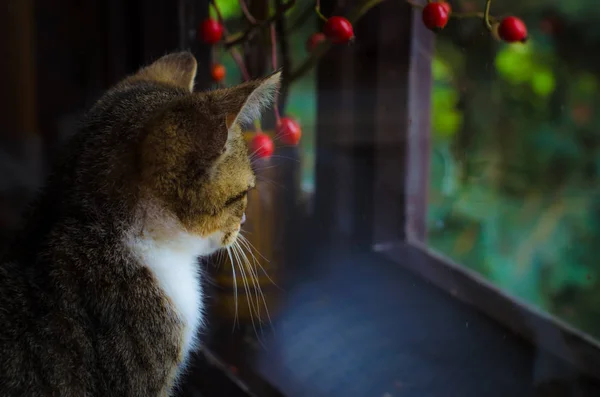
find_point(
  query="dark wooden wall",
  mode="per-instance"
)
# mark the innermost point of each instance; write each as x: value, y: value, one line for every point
x: 57, y: 57
x: 83, y: 47
x: 17, y: 69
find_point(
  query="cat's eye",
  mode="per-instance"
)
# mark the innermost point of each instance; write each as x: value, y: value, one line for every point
x: 237, y: 198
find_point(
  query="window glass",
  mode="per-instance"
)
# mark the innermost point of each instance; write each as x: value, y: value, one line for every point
x: 515, y: 156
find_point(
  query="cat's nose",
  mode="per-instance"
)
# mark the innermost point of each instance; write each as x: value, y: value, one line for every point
x: 243, y: 219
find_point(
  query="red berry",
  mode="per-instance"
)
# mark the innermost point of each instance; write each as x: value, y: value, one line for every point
x: 436, y: 15
x: 289, y: 131
x: 512, y: 29
x: 262, y: 145
x: 211, y: 31
x: 314, y: 40
x: 447, y: 6
x: 218, y: 72
x: 339, y: 30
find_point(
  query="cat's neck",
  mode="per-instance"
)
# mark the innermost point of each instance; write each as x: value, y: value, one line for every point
x: 160, y: 243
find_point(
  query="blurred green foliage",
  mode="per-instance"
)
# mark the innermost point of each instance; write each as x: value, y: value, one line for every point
x: 515, y: 165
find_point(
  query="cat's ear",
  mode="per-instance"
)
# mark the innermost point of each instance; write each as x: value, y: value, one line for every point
x: 244, y: 103
x: 178, y: 69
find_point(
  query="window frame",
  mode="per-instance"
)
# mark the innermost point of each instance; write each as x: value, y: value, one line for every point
x: 407, y: 247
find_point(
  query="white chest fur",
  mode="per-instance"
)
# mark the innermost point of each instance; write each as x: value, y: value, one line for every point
x: 174, y: 263
x: 178, y: 274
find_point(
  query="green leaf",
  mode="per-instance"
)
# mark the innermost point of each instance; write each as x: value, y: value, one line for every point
x: 543, y: 82
x: 229, y: 9
x: 515, y: 63
x: 446, y: 122
x: 441, y: 70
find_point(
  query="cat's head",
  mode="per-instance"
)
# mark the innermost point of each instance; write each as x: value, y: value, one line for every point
x: 192, y: 159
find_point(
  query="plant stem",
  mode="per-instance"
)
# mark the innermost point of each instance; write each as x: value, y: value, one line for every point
x: 354, y: 16
x: 237, y: 57
x: 257, y: 126
x: 302, y: 18
x: 281, y: 31
x: 458, y: 15
x: 274, y: 65
x: 246, y: 12
x: 488, y: 5
x: 242, y: 37
x: 219, y: 15
x: 239, y: 60
x: 318, y: 11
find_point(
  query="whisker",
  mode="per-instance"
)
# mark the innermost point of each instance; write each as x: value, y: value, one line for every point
x: 267, y: 167
x: 234, y: 287
x: 243, y: 270
x: 254, y: 279
x: 272, y: 182
x: 254, y: 153
x: 242, y: 273
x: 246, y: 241
x: 257, y: 285
x: 278, y: 156
x: 250, y: 247
x: 247, y: 263
x: 219, y: 258
x: 248, y: 294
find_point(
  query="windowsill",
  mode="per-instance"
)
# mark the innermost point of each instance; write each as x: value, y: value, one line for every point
x: 538, y: 327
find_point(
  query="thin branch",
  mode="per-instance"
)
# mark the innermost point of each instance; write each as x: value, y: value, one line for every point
x: 354, y: 16
x: 249, y: 33
x: 286, y: 61
x: 246, y: 12
x: 237, y: 57
x: 318, y: 11
x: 458, y: 15
x: 219, y: 15
x: 486, y: 15
x: 239, y: 60
x: 274, y: 66
x: 362, y: 9
x: 301, y: 20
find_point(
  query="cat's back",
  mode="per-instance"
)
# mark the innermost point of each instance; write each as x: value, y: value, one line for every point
x: 46, y: 347
x: 77, y: 317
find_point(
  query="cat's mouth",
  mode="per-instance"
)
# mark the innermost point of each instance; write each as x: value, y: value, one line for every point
x: 230, y: 236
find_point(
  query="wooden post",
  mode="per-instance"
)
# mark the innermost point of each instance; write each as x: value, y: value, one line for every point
x: 334, y: 184
x: 402, y: 127
x: 20, y: 143
x: 17, y: 75
x: 372, y: 136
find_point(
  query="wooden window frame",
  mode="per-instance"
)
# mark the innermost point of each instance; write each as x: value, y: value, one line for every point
x: 408, y: 247
x: 373, y: 130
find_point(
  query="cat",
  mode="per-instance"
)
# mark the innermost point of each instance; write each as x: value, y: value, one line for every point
x: 100, y: 293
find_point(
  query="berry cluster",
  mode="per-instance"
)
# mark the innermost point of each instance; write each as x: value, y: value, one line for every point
x: 511, y: 29
x: 212, y: 31
x: 337, y: 30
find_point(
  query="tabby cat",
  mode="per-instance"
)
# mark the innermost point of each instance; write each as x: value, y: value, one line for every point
x: 100, y: 294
